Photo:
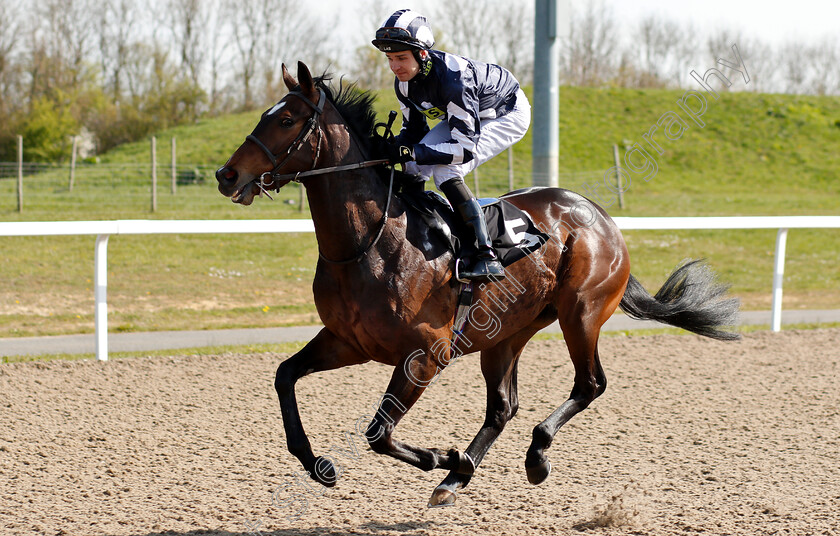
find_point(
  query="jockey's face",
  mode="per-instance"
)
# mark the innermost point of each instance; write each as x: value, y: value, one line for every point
x: 403, y: 64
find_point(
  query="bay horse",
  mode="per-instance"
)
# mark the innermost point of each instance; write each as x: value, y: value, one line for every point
x: 385, y: 291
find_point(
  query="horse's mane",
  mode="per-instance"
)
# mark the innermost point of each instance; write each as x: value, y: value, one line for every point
x: 355, y: 106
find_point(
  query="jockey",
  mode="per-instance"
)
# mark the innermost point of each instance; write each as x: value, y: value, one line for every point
x: 483, y: 112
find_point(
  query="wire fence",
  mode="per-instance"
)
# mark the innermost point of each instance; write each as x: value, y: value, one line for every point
x: 115, y: 189
x: 184, y: 173
x: 98, y: 190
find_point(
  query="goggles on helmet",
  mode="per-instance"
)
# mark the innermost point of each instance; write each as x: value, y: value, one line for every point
x: 400, y: 34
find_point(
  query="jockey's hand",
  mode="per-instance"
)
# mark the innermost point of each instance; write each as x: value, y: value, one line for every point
x: 398, y: 154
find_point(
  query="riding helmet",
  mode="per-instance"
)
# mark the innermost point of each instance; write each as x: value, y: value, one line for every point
x: 404, y: 30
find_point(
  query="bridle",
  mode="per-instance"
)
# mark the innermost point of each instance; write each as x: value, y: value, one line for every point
x: 313, y: 125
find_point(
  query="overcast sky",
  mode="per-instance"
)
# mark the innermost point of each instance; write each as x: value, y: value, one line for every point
x: 774, y: 21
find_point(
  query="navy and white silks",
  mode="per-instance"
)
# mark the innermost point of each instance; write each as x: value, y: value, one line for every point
x: 483, y: 112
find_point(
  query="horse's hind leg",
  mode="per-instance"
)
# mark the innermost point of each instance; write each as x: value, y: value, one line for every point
x: 581, y: 329
x: 498, y: 365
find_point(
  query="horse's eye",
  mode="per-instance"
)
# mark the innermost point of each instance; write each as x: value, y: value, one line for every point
x: 286, y: 122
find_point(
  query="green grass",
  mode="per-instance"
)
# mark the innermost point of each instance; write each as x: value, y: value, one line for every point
x: 757, y: 155
x: 158, y: 282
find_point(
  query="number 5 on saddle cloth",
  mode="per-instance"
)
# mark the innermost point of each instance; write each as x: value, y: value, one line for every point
x: 512, y: 230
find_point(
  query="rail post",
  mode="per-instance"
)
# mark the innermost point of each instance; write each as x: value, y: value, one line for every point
x: 778, y: 277
x: 100, y: 296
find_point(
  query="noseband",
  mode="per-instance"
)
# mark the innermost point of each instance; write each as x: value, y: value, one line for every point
x: 308, y: 129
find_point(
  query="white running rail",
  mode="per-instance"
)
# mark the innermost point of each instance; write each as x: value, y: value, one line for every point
x: 104, y: 229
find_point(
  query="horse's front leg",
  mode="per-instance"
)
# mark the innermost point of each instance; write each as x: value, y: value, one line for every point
x: 324, y: 352
x: 410, y: 378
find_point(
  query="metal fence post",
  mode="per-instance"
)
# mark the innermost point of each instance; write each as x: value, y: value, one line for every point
x: 475, y: 181
x: 510, y: 168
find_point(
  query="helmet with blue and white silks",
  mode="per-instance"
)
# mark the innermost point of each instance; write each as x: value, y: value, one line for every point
x: 404, y: 30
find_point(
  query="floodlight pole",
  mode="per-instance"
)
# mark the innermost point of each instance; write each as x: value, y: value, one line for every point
x: 551, y: 26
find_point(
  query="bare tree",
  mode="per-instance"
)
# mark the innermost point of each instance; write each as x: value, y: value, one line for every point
x: 825, y: 59
x: 66, y: 37
x: 295, y: 36
x: 761, y: 64
x: 37, y: 65
x: 218, y: 31
x: 515, y: 38
x: 249, y: 31
x: 591, y: 46
x: 688, y: 54
x: 9, y: 32
x: 794, y: 62
x: 470, y: 27
x: 658, y: 44
x: 136, y: 65
x: 497, y: 31
x: 719, y: 45
x: 188, y: 22
x: 117, y: 23
x: 370, y: 68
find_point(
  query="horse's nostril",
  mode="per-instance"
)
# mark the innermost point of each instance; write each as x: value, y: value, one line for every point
x: 226, y: 174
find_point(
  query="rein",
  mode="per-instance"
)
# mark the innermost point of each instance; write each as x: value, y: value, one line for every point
x: 312, y: 125
x: 382, y: 225
x: 322, y: 171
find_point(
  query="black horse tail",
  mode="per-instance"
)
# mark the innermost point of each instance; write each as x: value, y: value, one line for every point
x: 691, y: 299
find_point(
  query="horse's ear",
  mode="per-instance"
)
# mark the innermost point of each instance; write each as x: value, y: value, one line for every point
x: 306, y: 82
x: 291, y: 83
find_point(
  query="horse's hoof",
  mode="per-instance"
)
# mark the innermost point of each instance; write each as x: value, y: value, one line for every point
x: 441, y: 498
x: 538, y: 473
x: 466, y: 465
x: 323, y: 472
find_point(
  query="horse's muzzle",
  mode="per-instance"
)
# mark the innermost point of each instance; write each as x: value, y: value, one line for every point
x: 227, y: 178
x: 229, y: 186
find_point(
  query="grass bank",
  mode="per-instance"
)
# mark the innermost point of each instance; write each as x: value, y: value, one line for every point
x: 756, y: 155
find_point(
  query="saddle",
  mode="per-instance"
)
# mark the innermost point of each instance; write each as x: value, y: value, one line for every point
x: 511, y: 229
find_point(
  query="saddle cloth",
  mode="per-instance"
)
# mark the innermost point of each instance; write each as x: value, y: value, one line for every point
x: 512, y: 230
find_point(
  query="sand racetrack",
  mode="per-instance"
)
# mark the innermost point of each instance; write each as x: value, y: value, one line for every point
x: 691, y: 436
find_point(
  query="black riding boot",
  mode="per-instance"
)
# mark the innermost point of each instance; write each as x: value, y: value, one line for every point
x: 486, y: 264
